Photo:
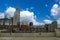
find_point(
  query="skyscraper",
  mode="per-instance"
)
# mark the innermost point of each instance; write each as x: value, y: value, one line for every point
x: 16, y: 18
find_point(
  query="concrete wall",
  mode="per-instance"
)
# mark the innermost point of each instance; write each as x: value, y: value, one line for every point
x: 57, y: 32
x: 41, y: 34
x: 49, y: 34
x: 27, y: 34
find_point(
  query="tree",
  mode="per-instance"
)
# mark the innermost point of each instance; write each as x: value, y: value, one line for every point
x: 31, y: 24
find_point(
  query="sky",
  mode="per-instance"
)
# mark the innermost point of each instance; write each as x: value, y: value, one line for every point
x: 36, y: 11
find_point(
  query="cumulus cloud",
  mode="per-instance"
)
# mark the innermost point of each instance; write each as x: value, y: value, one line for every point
x: 55, y: 11
x: 28, y: 16
x: 46, y: 21
x: 1, y: 15
x: 25, y: 15
x: 10, y: 12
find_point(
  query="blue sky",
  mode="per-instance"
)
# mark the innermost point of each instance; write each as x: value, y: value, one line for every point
x: 41, y: 8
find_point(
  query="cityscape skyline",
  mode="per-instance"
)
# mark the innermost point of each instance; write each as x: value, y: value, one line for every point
x: 37, y: 11
x: 29, y: 19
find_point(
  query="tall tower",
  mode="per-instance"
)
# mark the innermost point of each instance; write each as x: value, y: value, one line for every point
x: 16, y: 18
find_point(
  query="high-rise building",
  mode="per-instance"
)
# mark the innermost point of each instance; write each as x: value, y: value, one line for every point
x: 54, y: 25
x: 16, y: 18
x: 51, y: 27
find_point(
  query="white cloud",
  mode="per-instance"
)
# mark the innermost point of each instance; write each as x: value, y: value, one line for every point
x: 55, y: 11
x: 10, y: 12
x: 55, y: 6
x: 46, y: 21
x: 25, y: 15
x: 28, y: 16
x: 1, y: 15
